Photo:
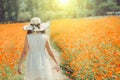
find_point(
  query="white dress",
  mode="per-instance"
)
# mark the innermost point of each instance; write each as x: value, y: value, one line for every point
x: 38, y: 66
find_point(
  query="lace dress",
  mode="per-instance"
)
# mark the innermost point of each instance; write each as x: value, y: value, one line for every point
x: 38, y: 66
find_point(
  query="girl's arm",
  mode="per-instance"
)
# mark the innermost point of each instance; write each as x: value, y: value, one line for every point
x: 24, y: 52
x: 48, y: 46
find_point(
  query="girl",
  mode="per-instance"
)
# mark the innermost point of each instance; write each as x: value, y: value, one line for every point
x: 38, y: 66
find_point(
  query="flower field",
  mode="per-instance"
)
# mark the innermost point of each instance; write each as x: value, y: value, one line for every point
x: 11, y: 44
x: 90, y: 47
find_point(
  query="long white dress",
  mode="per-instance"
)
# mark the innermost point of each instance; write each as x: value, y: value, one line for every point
x: 38, y: 66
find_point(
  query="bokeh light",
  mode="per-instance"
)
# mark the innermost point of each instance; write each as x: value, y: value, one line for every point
x: 64, y: 2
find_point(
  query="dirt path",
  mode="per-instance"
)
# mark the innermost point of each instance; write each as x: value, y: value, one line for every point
x: 57, y: 75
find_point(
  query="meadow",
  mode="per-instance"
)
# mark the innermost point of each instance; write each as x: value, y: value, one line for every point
x: 90, y: 48
x: 11, y: 44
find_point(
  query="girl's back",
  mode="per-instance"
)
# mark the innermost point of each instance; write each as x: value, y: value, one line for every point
x: 38, y: 64
x: 36, y: 41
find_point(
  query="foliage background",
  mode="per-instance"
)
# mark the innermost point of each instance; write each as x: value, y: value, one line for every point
x: 23, y: 10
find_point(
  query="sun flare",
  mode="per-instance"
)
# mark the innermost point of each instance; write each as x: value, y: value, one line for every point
x: 64, y: 1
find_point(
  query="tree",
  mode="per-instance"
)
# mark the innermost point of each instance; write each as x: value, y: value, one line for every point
x: 8, y: 10
x: 2, y: 11
x: 118, y: 2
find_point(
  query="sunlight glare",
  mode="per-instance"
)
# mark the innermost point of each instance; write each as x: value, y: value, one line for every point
x: 64, y: 1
